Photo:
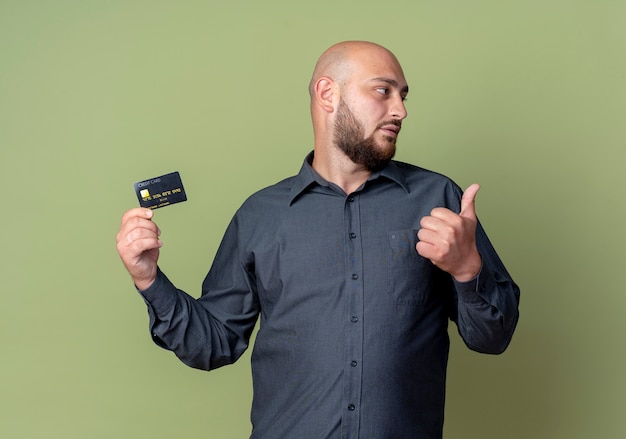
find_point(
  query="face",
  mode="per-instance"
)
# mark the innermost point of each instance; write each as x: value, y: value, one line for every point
x: 369, y: 119
x: 350, y: 137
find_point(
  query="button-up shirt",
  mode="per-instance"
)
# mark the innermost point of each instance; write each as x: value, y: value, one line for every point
x: 353, y: 334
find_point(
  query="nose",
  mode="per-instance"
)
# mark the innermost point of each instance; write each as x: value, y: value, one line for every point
x: 398, y: 109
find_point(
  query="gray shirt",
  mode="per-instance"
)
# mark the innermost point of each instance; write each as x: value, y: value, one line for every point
x: 353, y: 339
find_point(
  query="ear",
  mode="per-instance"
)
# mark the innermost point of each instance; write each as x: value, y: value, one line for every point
x: 325, y: 93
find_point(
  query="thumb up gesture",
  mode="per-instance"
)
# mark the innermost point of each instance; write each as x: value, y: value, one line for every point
x: 448, y: 239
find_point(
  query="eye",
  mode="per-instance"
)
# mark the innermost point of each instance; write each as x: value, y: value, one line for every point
x: 382, y: 90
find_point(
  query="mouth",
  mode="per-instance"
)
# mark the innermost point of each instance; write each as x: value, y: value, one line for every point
x: 390, y: 129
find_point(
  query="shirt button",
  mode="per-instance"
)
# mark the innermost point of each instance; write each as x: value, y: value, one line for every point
x: 353, y: 364
x: 355, y: 276
x: 351, y: 199
x: 352, y: 235
x: 351, y: 407
x: 354, y: 319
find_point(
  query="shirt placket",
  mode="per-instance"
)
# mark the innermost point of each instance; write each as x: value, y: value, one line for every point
x: 353, y: 320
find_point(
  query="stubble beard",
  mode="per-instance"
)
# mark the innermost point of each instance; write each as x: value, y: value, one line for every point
x: 350, y: 138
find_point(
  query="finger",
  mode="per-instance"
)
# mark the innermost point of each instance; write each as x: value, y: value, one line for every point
x: 143, y: 244
x: 468, y: 208
x: 442, y: 214
x: 430, y: 223
x: 128, y: 238
x: 131, y: 233
x: 426, y: 250
x: 139, y: 223
x: 139, y: 217
x: 141, y: 233
x: 435, y: 226
x: 137, y: 212
x: 427, y: 236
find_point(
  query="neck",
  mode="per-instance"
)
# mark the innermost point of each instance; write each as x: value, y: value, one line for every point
x: 337, y: 168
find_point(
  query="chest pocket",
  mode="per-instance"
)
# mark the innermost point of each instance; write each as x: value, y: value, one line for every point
x: 410, y: 277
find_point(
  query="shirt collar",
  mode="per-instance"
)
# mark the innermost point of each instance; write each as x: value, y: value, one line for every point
x: 308, y: 177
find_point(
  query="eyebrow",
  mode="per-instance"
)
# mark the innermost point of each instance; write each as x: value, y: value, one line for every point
x: 391, y: 82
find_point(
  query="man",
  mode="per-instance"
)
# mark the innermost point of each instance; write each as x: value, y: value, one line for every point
x: 355, y: 266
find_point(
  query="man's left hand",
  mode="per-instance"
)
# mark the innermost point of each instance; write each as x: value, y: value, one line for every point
x: 449, y: 239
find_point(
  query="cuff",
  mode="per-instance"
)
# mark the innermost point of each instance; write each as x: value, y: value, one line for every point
x: 473, y: 291
x: 161, y: 295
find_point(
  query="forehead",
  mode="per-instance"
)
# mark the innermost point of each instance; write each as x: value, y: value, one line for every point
x: 373, y: 65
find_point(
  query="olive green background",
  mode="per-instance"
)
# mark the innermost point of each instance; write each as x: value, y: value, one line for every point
x: 527, y: 98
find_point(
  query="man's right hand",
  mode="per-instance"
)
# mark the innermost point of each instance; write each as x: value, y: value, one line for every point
x: 138, y: 245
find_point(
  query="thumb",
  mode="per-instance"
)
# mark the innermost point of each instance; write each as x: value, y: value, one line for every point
x: 467, y: 201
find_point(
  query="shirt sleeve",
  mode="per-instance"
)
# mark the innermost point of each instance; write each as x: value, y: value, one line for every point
x: 213, y: 330
x: 486, y: 311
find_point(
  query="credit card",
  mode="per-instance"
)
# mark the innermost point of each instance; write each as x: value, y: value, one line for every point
x: 160, y: 191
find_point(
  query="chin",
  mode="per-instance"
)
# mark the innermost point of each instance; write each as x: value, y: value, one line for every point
x: 388, y: 150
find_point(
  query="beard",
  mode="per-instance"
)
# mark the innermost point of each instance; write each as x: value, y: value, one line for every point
x: 350, y: 138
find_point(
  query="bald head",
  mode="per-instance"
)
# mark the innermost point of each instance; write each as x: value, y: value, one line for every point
x: 339, y: 61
